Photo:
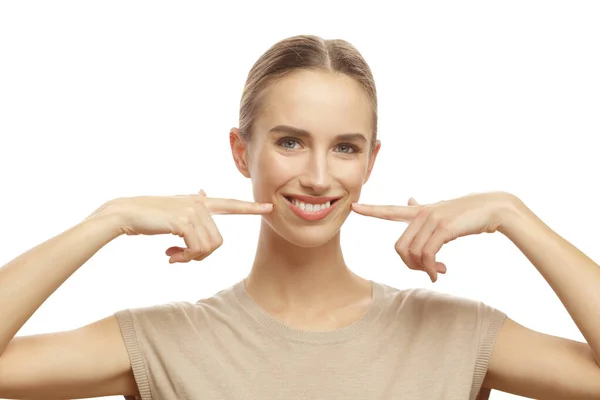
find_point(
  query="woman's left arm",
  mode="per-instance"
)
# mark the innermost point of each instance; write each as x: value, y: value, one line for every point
x: 538, y: 365
x: 523, y: 361
x: 573, y: 276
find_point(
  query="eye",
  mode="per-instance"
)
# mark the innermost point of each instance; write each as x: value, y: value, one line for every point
x: 288, y: 143
x: 347, y: 148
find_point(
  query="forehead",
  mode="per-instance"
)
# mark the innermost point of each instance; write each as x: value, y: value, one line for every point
x: 320, y: 102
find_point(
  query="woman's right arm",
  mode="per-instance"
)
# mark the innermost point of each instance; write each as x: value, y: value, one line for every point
x: 87, y: 362
x: 92, y: 361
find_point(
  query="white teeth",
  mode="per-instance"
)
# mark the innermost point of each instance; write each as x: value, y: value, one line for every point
x: 311, y: 207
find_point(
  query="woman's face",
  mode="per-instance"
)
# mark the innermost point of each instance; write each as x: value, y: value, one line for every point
x: 310, y: 153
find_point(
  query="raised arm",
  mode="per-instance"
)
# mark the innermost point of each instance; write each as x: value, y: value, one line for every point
x: 523, y: 361
x: 92, y: 361
x: 87, y: 362
x: 543, y: 366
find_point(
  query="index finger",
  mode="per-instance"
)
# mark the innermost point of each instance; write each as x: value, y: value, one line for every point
x: 233, y: 206
x: 391, y: 213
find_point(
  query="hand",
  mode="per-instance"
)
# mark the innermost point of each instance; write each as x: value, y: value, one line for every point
x: 433, y: 225
x: 186, y: 216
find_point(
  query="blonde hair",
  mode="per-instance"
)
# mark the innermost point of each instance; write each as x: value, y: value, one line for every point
x: 303, y: 52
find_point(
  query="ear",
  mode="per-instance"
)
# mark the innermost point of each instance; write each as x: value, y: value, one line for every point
x: 239, y: 151
x: 372, y: 158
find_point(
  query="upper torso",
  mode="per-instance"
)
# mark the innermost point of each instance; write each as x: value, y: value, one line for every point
x: 410, y: 344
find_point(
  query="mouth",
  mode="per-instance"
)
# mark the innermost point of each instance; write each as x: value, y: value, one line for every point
x: 310, y: 207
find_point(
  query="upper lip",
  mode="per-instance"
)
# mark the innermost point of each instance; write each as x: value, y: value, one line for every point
x: 312, y: 199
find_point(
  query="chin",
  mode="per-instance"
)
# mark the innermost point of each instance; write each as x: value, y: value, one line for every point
x: 308, y: 237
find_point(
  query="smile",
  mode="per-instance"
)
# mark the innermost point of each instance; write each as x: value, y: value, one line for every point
x: 311, y: 208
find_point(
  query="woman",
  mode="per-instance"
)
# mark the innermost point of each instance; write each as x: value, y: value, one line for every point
x: 302, y: 325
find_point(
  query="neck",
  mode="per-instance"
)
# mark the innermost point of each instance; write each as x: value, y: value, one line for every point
x: 287, y: 276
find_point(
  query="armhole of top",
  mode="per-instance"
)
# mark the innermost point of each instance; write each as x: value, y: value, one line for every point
x: 136, y: 358
x: 484, y: 353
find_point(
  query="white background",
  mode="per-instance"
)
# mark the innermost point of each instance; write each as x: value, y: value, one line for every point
x: 116, y: 98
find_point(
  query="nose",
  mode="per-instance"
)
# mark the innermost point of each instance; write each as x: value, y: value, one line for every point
x: 317, y: 176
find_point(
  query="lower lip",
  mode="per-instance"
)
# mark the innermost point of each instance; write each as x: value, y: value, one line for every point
x: 311, y: 215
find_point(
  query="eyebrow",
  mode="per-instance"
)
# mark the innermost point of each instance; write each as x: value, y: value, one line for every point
x: 304, y: 133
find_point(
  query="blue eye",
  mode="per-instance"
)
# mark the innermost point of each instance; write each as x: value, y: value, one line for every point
x: 347, y: 148
x: 288, y: 143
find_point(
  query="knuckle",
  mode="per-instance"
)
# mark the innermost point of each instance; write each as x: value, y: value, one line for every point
x: 428, y: 255
x: 409, y: 264
x: 404, y: 253
x: 436, y: 218
x: 184, y: 222
x: 399, y: 248
x: 199, y: 205
x: 187, y: 255
x: 204, y: 248
x: 413, y: 252
x: 218, y: 241
x: 444, y: 225
x: 181, y: 228
x: 425, y: 212
x: 190, y: 211
x: 200, y: 257
x: 195, y: 250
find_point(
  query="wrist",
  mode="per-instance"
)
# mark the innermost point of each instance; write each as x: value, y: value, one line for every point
x: 513, y: 214
x: 112, y: 215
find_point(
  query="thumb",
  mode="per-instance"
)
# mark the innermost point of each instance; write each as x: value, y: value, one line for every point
x: 202, y: 192
x: 412, y: 202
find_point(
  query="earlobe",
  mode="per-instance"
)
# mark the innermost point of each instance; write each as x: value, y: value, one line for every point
x: 372, y: 158
x: 239, y: 151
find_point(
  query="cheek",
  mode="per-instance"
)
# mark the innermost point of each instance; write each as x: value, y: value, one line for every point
x: 269, y: 172
x: 351, y: 176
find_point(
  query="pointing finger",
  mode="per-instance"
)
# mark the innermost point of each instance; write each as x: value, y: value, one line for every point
x: 232, y: 206
x: 392, y: 213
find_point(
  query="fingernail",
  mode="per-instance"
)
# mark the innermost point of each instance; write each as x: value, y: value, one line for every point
x: 266, y: 206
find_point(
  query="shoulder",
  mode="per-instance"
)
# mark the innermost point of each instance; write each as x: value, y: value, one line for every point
x: 447, y: 318
x: 162, y: 339
x: 421, y: 302
x: 177, y: 314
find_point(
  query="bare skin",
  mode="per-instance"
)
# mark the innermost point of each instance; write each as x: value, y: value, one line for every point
x: 315, y: 140
x: 93, y: 359
x: 299, y: 272
x: 523, y: 362
x: 311, y: 159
